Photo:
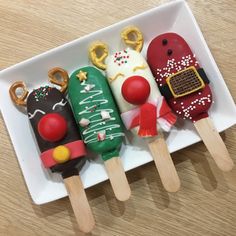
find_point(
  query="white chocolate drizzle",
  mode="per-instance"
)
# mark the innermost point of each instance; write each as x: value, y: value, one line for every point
x: 35, y: 112
x: 59, y: 104
x: 98, y: 124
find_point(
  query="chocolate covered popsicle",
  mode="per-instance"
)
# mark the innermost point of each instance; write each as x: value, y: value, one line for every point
x: 60, y: 144
x: 99, y: 123
x: 143, y: 109
x: 185, y: 85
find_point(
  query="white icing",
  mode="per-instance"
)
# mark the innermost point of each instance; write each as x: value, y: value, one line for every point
x: 89, y: 87
x: 98, y: 124
x: 59, y: 104
x: 35, y: 112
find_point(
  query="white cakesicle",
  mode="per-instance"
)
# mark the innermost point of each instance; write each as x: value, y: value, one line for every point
x: 136, y: 65
x: 122, y: 65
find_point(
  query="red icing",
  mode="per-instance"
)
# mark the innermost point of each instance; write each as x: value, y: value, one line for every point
x: 193, y: 106
x: 148, y: 120
x: 77, y: 149
x: 135, y: 90
x: 52, y: 127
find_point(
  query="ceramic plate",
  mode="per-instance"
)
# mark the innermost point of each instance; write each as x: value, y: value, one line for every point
x: 174, y: 16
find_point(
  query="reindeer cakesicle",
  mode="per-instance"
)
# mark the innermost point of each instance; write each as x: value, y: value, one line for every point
x: 143, y: 109
x: 62, y: 149
x: 185, y: 85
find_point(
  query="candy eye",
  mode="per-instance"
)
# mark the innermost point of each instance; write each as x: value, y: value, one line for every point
x: 164, y: 42
x: 169, y: 52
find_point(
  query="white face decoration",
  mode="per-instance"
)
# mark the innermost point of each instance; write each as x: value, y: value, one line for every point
x: 121, y: 66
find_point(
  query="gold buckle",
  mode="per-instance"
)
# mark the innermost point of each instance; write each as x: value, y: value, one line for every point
x: 185, y: 82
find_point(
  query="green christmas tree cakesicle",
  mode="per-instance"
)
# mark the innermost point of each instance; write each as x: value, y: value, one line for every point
x: 99, y: 123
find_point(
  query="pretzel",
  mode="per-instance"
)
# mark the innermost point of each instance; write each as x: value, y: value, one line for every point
x: 132, y: 37
x: 95, y: 49
x: 18, y: 100
x: 54, y: 80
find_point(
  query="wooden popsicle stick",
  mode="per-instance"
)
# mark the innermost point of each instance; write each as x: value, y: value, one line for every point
x: 214, y: 143
x: 118, y: 178
x: 79, y: 203
x: 164, y: 164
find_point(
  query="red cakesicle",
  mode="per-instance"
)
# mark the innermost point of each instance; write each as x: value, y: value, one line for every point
x: 174, y: 65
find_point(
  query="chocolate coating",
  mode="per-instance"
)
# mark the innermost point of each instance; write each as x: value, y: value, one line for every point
x: 46, y: 100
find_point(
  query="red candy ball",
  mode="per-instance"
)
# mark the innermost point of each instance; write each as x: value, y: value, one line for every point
x: 136, y: 90
x: 52, y: 127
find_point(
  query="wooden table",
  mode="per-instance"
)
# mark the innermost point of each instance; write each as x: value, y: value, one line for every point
x: 206, y: 204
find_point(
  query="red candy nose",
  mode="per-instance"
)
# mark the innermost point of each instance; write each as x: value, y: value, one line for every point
x: 136, y: 90
x: 52, y: 127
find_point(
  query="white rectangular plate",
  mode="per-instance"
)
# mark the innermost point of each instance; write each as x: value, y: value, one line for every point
x: 176, y: 17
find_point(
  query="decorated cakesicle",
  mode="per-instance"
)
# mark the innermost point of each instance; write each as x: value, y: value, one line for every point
x: 62, y: 149
x: 185, y: 85
x: 143, y: 109
x: 99, y: 123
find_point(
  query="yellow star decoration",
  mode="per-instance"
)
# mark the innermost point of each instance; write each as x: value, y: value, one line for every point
x: 82, y: 75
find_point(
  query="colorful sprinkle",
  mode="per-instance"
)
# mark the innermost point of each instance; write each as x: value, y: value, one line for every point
x: 41, y: 93
x: 121, y: 57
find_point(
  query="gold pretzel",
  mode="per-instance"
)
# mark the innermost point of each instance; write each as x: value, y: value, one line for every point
x: 133, y: 37
x: 18, y: 100
x: 53, y: 79
x: 98, y: 60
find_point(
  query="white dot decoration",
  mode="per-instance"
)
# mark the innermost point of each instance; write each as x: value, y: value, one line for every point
x: 184, y: 63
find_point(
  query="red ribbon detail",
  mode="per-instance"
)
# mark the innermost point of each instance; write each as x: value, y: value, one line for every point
x: 148, y: 120
x: 148, y: 115
x: 77, y: 149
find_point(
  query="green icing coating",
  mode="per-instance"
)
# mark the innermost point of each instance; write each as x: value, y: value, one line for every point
x: 89, y: 98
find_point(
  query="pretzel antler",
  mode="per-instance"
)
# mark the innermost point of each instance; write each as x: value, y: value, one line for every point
x: 132, y: 37
x: 54, y: 80
x: 18, y: 100
x: 98, y: 51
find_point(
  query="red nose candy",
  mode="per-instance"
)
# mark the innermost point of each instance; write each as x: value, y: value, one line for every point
x: 135, y: 90
x: 52, y: 127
